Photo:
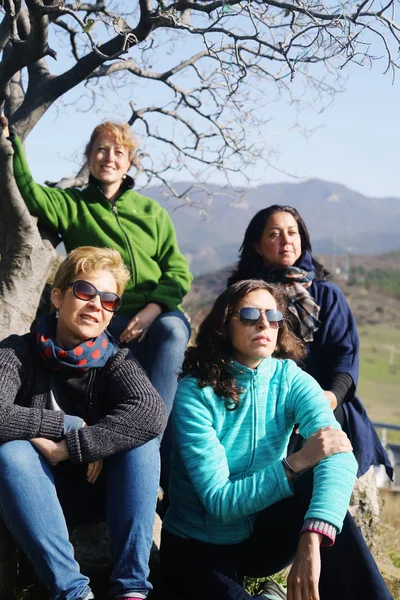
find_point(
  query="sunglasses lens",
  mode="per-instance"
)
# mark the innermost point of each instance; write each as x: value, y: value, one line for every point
x: 249, y: 316
x: 110, y: 301
x: 87, y: 291
x: 84, y: 290
x: 274, y: 318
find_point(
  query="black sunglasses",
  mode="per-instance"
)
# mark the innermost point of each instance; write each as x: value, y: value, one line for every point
x: 250, y: 316
x: 83, y: 290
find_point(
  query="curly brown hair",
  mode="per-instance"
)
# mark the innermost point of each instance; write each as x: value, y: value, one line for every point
x: 208, y: 360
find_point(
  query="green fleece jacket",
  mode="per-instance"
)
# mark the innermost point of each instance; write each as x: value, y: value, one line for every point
x: 137, y: 226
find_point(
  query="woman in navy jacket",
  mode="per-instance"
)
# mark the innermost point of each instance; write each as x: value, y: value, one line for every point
x: 277, y: 248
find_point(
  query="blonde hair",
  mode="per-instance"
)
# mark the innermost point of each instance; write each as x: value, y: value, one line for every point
x: 89, y: 259
x: 122, y: 135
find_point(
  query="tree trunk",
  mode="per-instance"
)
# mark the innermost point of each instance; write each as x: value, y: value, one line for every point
x: 25, y: 259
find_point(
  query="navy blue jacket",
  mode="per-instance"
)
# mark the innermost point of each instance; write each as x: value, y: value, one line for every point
x: 335, y: 349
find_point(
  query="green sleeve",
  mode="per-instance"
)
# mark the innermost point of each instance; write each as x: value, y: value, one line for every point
x: 54, y: 207
x: 176, y: 278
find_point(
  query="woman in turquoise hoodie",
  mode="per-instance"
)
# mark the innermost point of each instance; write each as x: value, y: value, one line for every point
x: 238, y: 505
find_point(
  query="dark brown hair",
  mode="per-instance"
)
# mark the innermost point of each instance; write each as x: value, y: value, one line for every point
x: 209, y: 359
x: 250, y: 262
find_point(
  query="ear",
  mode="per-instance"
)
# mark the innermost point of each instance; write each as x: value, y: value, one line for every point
x: 56, y: 297
x: 257, y: 248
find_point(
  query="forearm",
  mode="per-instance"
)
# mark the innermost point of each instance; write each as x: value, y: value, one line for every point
x: 24, y: 423
x: 48, y: 204
x: 342, y: 387
x: 304, y: 575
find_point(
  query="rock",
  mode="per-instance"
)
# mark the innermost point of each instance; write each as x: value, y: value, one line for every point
x: 8, y: 563
x: 366, y: 507
x: 92, y: 547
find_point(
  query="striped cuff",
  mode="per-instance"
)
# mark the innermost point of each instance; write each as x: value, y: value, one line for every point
x: 327, y: 530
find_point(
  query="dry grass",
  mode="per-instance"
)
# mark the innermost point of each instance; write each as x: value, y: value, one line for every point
x: 388, y: 554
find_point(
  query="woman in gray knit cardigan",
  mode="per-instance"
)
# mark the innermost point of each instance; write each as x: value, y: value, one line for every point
x: 78, y: 427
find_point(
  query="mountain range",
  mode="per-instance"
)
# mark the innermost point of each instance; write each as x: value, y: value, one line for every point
x: 210, y: 223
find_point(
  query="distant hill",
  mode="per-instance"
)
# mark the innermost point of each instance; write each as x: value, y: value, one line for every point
x: 370, y: 307
x: 340, y: 220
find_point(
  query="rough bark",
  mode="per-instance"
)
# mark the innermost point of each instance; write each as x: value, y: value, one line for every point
x: 25, y: 258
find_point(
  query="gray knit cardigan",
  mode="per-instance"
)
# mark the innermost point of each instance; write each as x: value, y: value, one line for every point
x: 135, y: 411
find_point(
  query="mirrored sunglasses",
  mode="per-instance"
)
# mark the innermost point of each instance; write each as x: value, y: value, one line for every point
x: 250, y: 316
x: 83, y: 290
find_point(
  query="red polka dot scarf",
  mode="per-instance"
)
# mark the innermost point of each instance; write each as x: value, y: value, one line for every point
x: 91, y: 354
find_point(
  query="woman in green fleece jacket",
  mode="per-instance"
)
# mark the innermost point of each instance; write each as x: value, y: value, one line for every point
x: 108, y: 213
x: 240, y: 506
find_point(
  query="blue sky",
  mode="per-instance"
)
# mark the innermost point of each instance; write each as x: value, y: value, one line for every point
x: 356, y: 141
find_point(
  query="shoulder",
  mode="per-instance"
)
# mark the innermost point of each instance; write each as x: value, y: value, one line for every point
x: 328, y: 293
x: 190, y: 393
x: 189, y: 385
x: 289, y: 374
x: 20, y: 344
x: 122, y: 360
x: 142, y: 203
x: 17, y: 353
x: 283, y: 366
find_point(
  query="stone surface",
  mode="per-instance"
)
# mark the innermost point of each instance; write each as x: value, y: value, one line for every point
x: 366, y: 507
x: 93, y: 550
x: 8, y: 563
x: 92, y: 545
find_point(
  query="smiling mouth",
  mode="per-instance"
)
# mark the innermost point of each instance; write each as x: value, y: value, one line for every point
x: 89, y: 319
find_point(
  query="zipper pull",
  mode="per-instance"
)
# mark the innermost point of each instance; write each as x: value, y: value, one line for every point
x: 114, y: 209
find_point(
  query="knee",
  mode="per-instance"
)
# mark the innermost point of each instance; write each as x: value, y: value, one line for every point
x: 171, y: 329
x: 147, y: 454
x: 16, y: 456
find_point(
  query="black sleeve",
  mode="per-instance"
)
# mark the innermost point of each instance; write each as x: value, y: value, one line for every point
x: 343, y: 387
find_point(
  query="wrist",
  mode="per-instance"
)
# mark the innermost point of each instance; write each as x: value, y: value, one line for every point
x: 291, y: 474
x: 296, y: 462
x: 155, y: 308
x: 311, y: 538
x: 60, y: 452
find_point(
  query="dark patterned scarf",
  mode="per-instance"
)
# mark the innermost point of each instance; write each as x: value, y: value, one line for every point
x: 296, y: 281
x: 90, y: 354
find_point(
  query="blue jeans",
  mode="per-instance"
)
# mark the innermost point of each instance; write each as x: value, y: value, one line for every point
x: 33, y: 513
x: 161, y: 355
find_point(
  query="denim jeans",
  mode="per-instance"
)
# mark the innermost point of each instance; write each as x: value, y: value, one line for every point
x: 161, y: 355
x: 33, y: 512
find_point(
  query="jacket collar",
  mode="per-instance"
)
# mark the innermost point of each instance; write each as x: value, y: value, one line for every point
x: 243, y: 373
x: 127, y: 184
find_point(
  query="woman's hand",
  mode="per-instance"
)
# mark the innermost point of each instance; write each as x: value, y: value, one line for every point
x: 303, y: 580
x: 141, y: 322
x: 54, y: 452
x: 93, y: 471
x: 4, y: 125
x: 321, y: 444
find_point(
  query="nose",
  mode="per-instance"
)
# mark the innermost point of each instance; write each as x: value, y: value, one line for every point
x: 285, y: 237
x: 95, y: 302
x: 110, y: 155
x: 263, y: 322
